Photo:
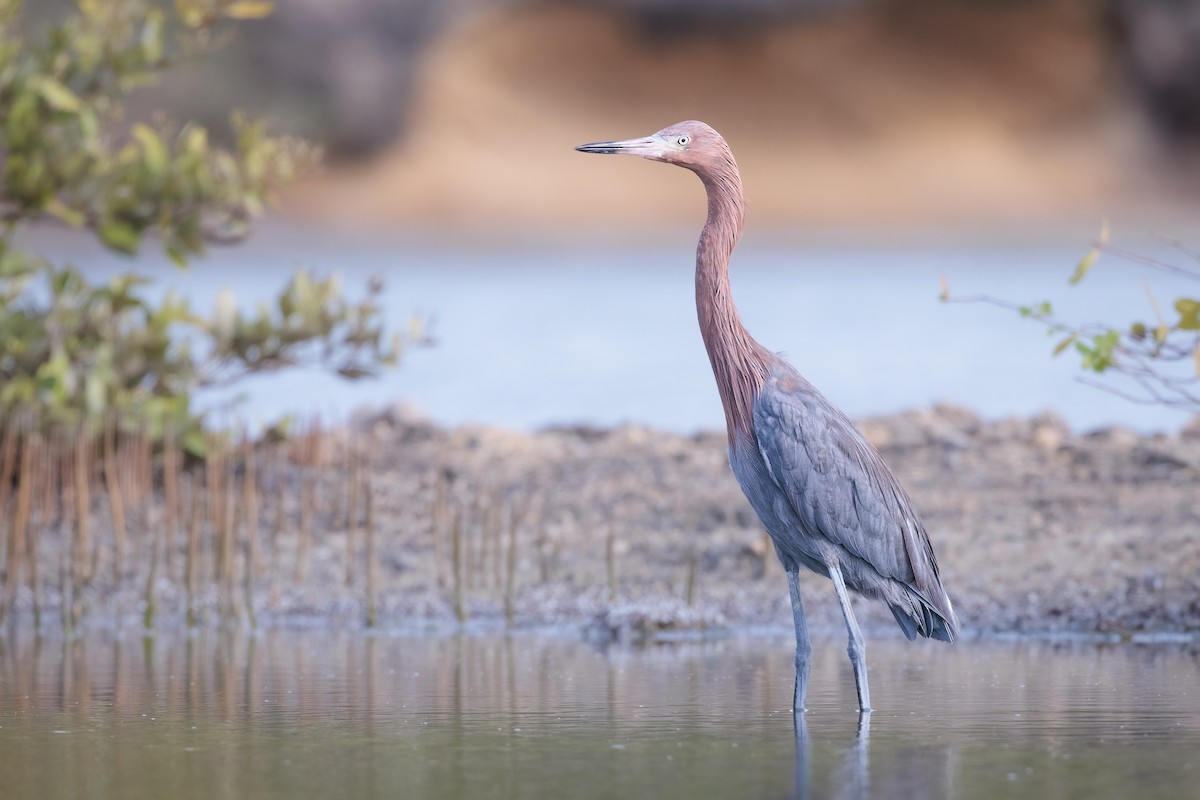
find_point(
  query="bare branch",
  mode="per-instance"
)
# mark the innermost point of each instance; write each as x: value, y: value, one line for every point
x: 1153, y: 263
x: 1137, y: 352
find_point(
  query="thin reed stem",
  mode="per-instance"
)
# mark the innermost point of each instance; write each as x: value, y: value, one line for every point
x: 14, y: 545
x: 372, y: 558
x: 456, y: 556
x: 116, y: 502
x: 610, y: 562
x: 352, y: 517
x: 22, y: 518
x: 439, y: 522
x: 510, y: 568
x: 280, y: 499
x: 689, y: 591
x: 85, y: 559
x: 250, y: 504
x: 192, y: 555
x: 172, y: 508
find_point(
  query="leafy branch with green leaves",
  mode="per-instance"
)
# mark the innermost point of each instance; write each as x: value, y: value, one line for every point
x: 66, y: 153
x: 1161, y: 358
x: 75, y: 351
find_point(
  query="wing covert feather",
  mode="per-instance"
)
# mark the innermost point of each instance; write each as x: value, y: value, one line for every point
x: 837, y: 483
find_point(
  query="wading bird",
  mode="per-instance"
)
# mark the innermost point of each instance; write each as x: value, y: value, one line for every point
x: 824, y: 494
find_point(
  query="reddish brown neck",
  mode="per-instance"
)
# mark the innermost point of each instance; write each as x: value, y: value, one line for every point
x: 739, y: 363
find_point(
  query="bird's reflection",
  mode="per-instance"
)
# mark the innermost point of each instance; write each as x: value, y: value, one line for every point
x: 852, y: 775
x: 803, y: 755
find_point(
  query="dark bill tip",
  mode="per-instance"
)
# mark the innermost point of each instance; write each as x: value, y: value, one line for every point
x: 598, y: 147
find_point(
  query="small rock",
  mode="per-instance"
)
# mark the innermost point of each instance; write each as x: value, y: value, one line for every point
x: 1047, y: 438
x: 1114, y: 435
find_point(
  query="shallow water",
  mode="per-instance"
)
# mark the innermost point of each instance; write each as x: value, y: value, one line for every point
x: 319, y: 714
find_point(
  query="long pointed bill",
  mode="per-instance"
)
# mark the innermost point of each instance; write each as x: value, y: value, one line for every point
x: 647, y: 147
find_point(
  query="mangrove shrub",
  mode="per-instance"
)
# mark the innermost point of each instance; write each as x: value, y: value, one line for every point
x: 73, y: 350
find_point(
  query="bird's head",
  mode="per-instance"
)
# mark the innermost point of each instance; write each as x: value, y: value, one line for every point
x: 690, y: 144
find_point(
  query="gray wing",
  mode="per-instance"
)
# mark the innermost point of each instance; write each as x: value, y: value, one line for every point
x: 841, y: 490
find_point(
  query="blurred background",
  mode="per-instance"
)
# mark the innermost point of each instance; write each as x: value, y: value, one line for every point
x: 848, y: 113
x: 883, y: 143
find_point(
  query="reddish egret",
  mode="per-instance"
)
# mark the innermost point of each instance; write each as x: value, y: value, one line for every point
x: 821, y: 490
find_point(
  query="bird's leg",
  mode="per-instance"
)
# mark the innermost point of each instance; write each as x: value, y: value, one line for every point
x: 857, y: 647
x: 803, y: 646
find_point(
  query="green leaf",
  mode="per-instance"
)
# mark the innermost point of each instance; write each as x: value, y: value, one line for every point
x: 89, y: 126
x: 1189, y: 314
x: 1085, y: 264
x: 54, y: 375
x: 194, y: 442
x: 177, y: 256
x: 1088, y: 261
x: 56, y: 95
x: 17, y: 391
x: 119, y: 236
x: 71, y: 216
x: 1099, y: 355
x: 250, y: 9
x: 195, y: 140
x: 1042, y: 309
x: 152, y: 36
x: 136, y: 80
x: 21, y: 123
x: 93, y: 394
x: 153, y: 151
x: 1065, y: 343
x: 193, y: 14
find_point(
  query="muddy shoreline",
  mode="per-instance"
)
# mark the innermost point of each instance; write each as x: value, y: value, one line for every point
x: 630, y: 532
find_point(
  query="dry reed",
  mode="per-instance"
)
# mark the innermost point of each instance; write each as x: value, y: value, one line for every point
x: 280, y: 520
x: 84, y: 564
x: 372, y: 557
x: 307, y: 458
x: 116, y: 502
x: 689, y: 590
x: 439, y: 526
x: 252, y: 557
x: 510, y: 568
x: 456, y: 564
x: 610, y: 562
x: 21, y: 527
x: 352, y: 517
x: 191, y: 564
x: 172, y: 503
x: 13, y: 546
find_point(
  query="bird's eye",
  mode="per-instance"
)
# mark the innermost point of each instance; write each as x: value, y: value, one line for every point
x: 683, y: 141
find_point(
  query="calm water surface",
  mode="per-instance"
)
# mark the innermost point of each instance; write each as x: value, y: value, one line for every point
x: 602, y: 332
x: 318, y: 714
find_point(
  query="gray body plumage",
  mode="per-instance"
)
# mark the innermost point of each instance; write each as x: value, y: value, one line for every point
x: 825, y: 496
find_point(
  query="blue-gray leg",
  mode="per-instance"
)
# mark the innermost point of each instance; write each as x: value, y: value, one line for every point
x: 803, y: 646
x: 857, y: 647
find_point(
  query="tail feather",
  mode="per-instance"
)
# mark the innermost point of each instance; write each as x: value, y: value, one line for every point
x: 927, y: 621
x: 906, y: 622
